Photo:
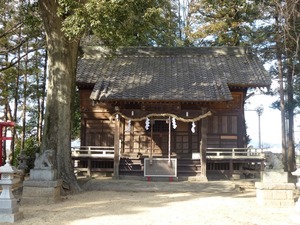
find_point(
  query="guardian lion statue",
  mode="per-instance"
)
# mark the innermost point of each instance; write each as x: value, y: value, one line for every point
x: 274, y: 161
x: 43, y: 159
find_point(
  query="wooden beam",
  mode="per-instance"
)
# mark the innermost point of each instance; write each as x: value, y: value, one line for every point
x: 116, y: 147
x: 203, y: 146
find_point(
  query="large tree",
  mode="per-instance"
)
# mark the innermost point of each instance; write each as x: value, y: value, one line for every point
x: 282, y: 38
x: 290, y: 20
x: 62, y: 58
x: 21, y: 39
x: 116, y: 23
x: 223, y: 22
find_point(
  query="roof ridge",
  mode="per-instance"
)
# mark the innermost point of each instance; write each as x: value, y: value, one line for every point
x: 90, y: 52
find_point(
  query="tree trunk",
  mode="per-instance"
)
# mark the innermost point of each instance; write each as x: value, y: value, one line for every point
x: 42, y: 101
x: 292, y: 49
x: 281, y: 93
x: 62, y: 59
x: 23, y: 137
x: 16, y: 99
x: 291, y: 160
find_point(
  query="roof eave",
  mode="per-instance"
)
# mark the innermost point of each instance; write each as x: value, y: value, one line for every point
x: 159, y: 101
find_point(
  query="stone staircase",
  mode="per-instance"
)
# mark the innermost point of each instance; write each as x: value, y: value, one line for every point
x: 185, y: 167
x: 188, y: 167
x: 132, y: 167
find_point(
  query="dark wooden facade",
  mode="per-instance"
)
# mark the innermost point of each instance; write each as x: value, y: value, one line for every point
x: 225, y: 128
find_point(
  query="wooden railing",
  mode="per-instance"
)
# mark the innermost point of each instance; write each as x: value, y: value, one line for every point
x: 100, y: 158
x: 235, y: 153
x: 211, y: 153
x: 93, y: 152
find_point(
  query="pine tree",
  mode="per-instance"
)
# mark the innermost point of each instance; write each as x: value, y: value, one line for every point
x: 223, y: 22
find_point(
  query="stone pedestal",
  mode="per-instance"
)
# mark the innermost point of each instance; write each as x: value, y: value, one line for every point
x: 42, y: 187
x: 269, y: 176
x: 9, y: 209
x: 43, y: 174
x: 274, y: 190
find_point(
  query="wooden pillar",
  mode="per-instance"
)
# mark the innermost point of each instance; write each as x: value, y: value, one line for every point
x: 230, y: 168
x: 152, y: 144
x: 116, y: 147
x: 89, y: 167
x: 203, y: 146
x: 262, y: 168
x: 83, y: 131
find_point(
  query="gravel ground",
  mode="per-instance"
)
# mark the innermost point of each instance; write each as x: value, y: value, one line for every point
x: 120, y: 202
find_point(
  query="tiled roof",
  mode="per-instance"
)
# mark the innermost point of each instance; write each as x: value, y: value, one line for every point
x: 170, y: 74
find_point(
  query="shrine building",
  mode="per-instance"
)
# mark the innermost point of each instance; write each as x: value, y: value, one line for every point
x: 167, y: 112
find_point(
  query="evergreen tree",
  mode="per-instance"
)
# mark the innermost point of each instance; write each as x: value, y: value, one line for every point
x: 20, y: 39
x: 279, y: 43
x: 223, y: 22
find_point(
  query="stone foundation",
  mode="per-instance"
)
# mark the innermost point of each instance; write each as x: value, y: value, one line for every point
x: 9, y: 211
x: 42, y: 187
x: 274, y: 190
x: 274, y: 177
x: 43, y: 174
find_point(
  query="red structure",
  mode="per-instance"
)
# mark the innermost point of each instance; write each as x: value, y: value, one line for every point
x: 4, y: 138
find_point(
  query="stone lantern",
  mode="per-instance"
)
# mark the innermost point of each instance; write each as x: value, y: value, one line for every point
x: 22, y: 161
x: 22, y: 164
x: 9, y: 210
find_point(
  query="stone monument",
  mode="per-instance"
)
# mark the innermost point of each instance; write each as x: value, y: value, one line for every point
x: 43, y: 185
x: 9, y: 209
x: 274, y: 190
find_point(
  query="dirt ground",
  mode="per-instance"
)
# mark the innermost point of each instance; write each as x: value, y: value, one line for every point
x: 120, y: 202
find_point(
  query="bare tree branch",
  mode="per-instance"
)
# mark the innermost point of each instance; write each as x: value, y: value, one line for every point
x: 15, y: 60
x: 12, y: 30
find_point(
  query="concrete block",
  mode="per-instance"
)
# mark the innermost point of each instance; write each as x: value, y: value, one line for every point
x: 282, y: 194
x: 8, y: 205
x: 275, y: 203
x: 275, y: 177
x: 264, y: 194
x: 275, y: 194
x: 42, y: 183
x: 11, y: 218
x: 40, y: 201
x: 41, y: 192
x: 8, y: 210
x: 43, y: 174
x: 33, y: 195
x: 274, y: 186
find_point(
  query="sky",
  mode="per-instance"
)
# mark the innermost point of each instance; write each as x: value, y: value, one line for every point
x: 270, y: 122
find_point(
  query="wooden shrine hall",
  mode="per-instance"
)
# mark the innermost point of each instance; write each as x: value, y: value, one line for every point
x: 166, y: 112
